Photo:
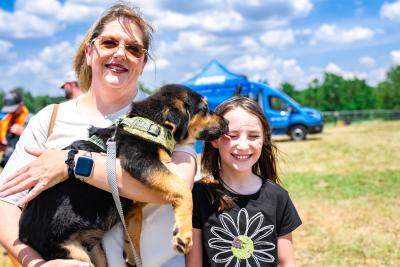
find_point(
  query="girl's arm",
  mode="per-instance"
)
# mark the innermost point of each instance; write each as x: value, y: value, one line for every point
x: 195, y: 257
x: 50, y: 168
x: 285, y: 251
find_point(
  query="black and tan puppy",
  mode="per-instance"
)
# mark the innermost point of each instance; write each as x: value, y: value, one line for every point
x: 69, y: 219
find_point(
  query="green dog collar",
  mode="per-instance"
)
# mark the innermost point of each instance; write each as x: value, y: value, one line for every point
x: 149, y: 130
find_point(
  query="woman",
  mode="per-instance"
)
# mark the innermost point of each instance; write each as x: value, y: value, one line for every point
x: 108, y: 64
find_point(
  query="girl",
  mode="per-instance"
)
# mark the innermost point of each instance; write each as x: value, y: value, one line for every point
x: 241, y: 216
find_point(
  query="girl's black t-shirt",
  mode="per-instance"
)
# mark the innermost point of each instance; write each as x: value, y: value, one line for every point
x: 247, y: 234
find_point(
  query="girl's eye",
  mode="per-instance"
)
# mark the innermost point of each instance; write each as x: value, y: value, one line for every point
x: 254, y: 136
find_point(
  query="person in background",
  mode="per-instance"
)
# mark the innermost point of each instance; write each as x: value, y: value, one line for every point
x: 241, y: 215
x: 108, y: 64
x: 71, y: 86
x: 12, y: 125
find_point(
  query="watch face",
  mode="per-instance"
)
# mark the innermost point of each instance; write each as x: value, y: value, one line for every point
x: 84, y: 166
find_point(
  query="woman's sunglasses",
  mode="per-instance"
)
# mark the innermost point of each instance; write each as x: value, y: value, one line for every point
x: 111, y: 45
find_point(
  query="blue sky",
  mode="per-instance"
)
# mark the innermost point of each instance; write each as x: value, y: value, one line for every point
x: 292, y: 40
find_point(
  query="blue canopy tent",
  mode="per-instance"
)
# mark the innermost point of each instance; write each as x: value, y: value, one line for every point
x: 218, y: 83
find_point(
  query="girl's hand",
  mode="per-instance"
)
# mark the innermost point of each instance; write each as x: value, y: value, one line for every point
x: 44, y: 172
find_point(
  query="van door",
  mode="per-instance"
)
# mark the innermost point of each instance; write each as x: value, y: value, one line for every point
x: 278, y: 112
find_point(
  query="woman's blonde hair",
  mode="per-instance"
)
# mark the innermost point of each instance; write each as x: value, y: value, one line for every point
x: 118, y: 11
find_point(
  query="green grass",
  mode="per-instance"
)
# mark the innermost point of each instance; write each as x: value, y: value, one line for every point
x: 345, y: 184
x: 384, y: 184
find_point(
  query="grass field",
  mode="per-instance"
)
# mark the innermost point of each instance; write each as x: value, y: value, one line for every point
x: 345, y: 184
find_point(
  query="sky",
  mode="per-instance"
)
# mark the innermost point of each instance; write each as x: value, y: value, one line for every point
x: 276, y: 41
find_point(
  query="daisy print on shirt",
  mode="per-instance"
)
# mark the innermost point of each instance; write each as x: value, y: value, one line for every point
x: 242, y: 241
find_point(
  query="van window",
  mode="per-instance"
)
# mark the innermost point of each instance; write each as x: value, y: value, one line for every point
x: 278, y: 104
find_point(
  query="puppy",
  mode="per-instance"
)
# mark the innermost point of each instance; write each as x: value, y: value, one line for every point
x: 69, y: 220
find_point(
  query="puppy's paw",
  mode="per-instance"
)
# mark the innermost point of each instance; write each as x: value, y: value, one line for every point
x: 130, y: 264
x: 182, y: 240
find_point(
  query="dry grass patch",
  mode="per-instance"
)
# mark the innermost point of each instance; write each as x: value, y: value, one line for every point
x: 367, y: 147
x: 345, y: 184
x: 356, y: 232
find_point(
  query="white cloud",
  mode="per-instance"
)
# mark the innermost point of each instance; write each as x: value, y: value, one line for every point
x: 50, y: 65
x: 376, y: 76
x: 156, y: 65
x: 395, y: 54
x: 335, y: 69
x: 367, y: 61
x: 41, y: 18
x: 391, y: 11
x: 38, y: 7
x: 332, y: 34
x: 249, y: 44
x: 278, y: 38
x: 207, y: 20
x: 274, y: 70
x: 23, y: 25
x: 4, y: 46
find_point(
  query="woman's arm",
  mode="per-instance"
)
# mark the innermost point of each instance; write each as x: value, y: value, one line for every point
x: 50, y: 168
x: 25, y: 255
x: 195, y: 257
x: 286, y: 251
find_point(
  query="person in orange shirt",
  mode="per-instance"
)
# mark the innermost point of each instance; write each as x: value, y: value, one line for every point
x: 12, y: 125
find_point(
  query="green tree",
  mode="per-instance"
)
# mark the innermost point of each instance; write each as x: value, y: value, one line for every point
x: 388, y: 91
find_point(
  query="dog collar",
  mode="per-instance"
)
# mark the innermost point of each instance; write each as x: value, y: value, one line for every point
x: 149, y: 130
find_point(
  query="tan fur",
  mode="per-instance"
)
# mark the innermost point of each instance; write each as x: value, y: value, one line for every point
x: 164, y: 156
x: 177, y: 192
x: 134, y: 220
x: 199, y: 122
x: 76, y: 251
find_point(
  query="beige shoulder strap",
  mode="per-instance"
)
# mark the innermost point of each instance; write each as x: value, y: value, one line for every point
x: 52, y: 120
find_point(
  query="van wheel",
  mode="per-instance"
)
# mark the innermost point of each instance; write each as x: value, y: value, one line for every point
x: 298, y: 133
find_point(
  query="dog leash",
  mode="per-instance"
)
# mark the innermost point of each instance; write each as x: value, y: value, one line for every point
x: 112, y: 181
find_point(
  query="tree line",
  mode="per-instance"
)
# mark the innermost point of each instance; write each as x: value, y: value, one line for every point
x: 36, y: 103
x: 334, y: 92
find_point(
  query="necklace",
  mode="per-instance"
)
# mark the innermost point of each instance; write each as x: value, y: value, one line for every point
x: 229, y: 188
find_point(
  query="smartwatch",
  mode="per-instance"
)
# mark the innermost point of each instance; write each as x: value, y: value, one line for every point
x: 84, y: 167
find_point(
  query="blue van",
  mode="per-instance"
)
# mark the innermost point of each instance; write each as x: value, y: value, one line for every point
x: 284, y: 114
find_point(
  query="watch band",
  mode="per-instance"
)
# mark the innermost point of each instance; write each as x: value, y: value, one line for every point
x: 71, y: 162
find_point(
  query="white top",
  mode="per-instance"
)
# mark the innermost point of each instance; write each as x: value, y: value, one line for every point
x: 72, y: 125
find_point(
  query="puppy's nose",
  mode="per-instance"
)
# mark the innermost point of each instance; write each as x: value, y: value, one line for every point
x: 224, y: 126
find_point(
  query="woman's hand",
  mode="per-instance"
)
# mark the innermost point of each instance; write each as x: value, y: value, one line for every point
x: 65, y: 263
x: 44, y: 172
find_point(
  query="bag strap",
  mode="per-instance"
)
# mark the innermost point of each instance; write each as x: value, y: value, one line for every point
x: 52, y: 120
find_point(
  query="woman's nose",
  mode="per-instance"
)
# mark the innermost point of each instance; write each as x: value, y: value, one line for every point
x: 121, y: 51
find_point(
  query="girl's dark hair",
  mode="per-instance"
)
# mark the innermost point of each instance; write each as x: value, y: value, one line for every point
x: 265, y: 167
x: 121, y: 11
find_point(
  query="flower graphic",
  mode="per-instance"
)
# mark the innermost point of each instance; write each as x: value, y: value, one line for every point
x: 242, y: 240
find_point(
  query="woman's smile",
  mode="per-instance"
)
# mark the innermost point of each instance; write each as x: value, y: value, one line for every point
x: 116, y: 68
